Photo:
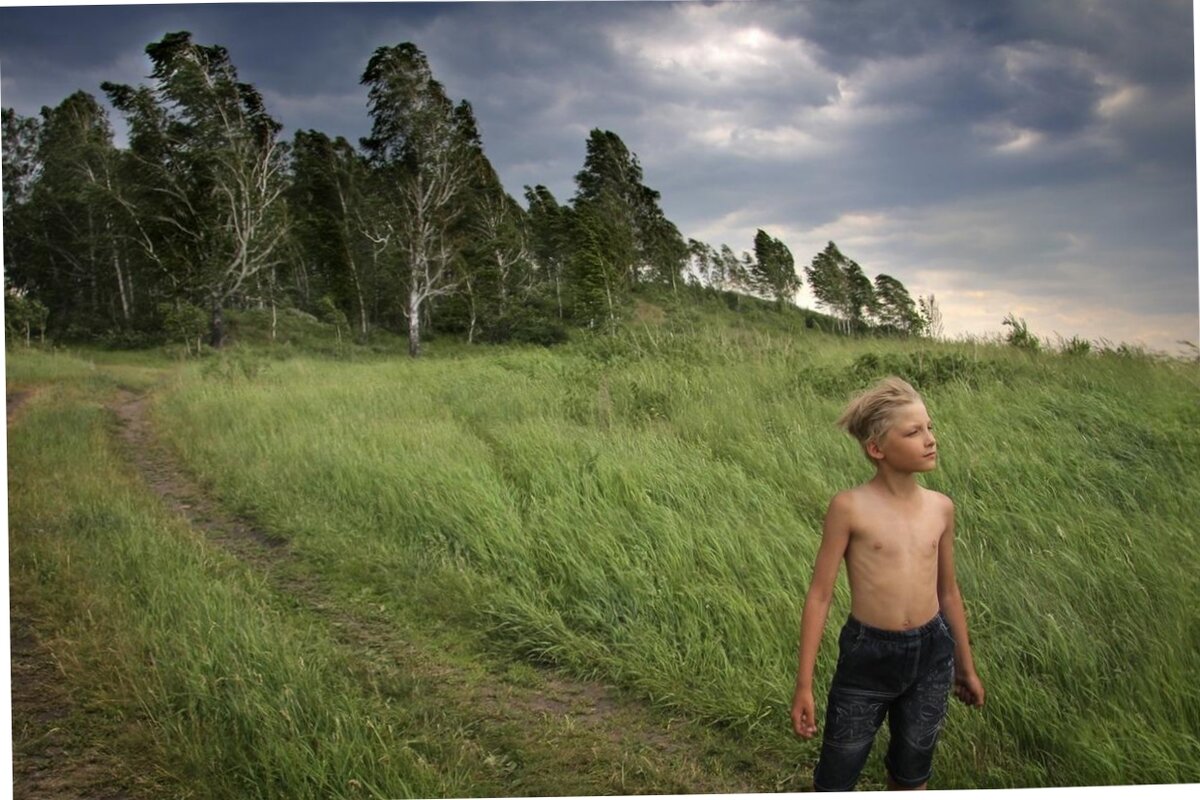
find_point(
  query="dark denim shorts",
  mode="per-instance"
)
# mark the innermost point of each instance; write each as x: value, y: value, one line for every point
x: 903, y: 675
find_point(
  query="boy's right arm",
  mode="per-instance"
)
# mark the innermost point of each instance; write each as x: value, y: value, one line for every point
x: 834, y: 539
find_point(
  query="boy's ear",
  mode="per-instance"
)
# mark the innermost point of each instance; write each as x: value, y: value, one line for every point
x: 872, y: 448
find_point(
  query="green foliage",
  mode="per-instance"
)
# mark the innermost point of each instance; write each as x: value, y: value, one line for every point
x: 894, y: 307
x: 773, y: 271
x: 23, y: 315
x: 929, y: 369
x: 829, y: 280
x: 333, y: 315
x: 19, y: 139
x: 184, y: 323
x: 647, y: 245
x: 203, y: 151
x: 235, y: 363
x: 1075, y: 346
x: 1019, y: 336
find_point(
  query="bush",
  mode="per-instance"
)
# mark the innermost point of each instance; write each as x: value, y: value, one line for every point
x: 1020, y: 336
x: 925, y: 370
x: 229, y: 365
x: 1076, y: 346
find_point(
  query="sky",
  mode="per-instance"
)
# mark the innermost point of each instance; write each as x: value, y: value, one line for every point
x: 1008, y: 157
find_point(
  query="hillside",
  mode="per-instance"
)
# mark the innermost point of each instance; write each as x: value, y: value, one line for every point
x: 638, y: 512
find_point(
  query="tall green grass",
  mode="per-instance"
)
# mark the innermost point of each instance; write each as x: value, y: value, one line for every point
x: 221, y: 687
x: 647, y: 509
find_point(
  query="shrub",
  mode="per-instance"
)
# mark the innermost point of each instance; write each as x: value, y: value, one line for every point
x: 1020, y: 336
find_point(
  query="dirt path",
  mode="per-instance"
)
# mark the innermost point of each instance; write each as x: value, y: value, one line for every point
x: 52, y: 757
x: 14, y: 401
x: 557, y: 736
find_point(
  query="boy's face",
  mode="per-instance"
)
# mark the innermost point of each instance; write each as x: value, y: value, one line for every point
x: 908, y: 445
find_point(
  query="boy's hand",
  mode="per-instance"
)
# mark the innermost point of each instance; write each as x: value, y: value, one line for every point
x: 969, y: 689
x: 804, y: 714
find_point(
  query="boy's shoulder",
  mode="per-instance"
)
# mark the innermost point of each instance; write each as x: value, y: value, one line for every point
x: 943, y: 501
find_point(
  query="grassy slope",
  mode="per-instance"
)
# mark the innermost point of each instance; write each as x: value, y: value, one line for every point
x: 647, y: 509
x: 199, y: 676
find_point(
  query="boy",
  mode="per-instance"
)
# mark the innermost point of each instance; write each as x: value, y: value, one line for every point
x: 905, y: 642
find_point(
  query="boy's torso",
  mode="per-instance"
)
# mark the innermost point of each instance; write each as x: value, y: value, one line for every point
x: 892, y: 557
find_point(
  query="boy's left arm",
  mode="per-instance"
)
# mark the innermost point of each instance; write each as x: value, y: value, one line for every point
x: 967, y: 686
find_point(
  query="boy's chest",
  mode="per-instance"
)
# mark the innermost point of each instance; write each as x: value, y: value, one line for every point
x: 897, y: 537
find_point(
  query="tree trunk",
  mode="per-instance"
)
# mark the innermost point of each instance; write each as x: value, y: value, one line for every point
x: 471, y: 301
x: 414, y: 323
x: 117, y: 266
x: 558, y: 292
x: 216, y: 330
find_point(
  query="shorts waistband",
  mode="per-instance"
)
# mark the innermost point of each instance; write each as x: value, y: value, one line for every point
x: 912, y: 633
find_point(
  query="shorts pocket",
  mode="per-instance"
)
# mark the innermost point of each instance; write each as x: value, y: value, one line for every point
x: 849, y: 641
x: 945, y: 626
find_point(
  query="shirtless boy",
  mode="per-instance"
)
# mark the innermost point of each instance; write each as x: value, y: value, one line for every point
x: 905, y: 644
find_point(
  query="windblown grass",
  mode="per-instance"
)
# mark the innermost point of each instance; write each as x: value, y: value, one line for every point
x: 647, y: 508
x: 227, y: 694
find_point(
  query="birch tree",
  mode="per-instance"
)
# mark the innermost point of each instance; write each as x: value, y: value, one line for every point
x: 208, y: 174
x: 419, y: 152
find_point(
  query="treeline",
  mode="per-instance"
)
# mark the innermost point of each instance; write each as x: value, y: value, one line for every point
x: 208, y: 209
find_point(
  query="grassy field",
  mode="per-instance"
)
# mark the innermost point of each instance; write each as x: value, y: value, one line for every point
x: 642, y: 509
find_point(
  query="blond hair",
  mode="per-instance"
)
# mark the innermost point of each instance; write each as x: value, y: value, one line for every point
x: 869, y: 414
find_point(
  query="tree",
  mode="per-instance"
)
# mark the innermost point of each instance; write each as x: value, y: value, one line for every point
x: 828, y: 281
x: 65, y: 244
x: 22, y: 314
x: 19, y: 138
x: 840, y: 285
x: 21, y: 166
x: 663, y: 249
x: 420, y: 154
x: 894, y: 307
x: 333, y: 224
x: 206, y: 172
x: 494, y: 266
x: 860, y: 296
x: 773, y: 272
x: 931, y: 316
x: 608, y: 195
x: 503, y: 275
x: 611, y: 183
x: 597, y: 269
x: 550, y: 226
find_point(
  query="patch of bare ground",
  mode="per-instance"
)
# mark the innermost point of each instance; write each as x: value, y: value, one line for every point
x: 56, y: 754
x: 14, y: 401
x: 549, y: 735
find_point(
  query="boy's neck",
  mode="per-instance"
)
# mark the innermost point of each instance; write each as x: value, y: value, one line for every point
x: 902, y: 485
